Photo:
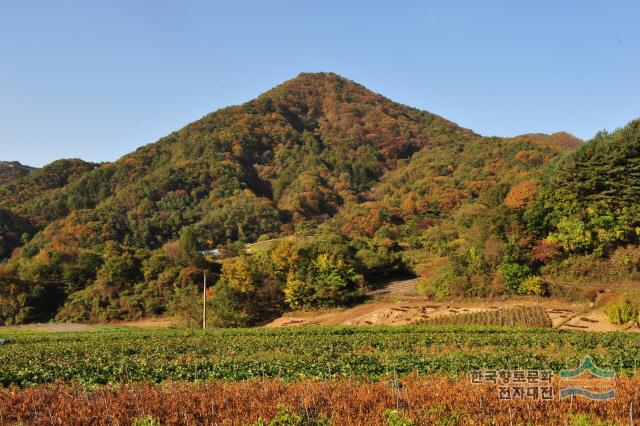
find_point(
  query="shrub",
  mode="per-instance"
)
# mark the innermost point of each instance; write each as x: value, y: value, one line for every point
x: 396, y: 418
x: 583, y: 419
x: 185, y: 303
x: 513, y: 274
x: 145, y: 421
x: 582, y: 268
x: 439, y: 287
x: 545, y: 251
x: 534, y: 285
x: 573, y: 235
x: 28, y: 301
x: 621, y: 311
x: 626, y: 260
x: 246, y: 294
x: 285, y: 416
x: 450, y: 281
x: 324, y: 281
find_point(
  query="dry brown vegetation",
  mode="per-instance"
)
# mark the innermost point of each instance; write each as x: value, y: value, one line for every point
x: 519, y: 316
x: 425, y: 400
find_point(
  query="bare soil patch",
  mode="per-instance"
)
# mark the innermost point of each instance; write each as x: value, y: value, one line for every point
x: 411, y: 310
x: 150, y: 323
x: 50, y: 327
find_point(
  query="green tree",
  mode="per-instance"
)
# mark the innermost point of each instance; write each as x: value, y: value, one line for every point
x: 323, y: 281
x: 513, y: 275
x: 186, y: 304
x: 82, y: 272
x: 188, y: 245
x: 247, y: 293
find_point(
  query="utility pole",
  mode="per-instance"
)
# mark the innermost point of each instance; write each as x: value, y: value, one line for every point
x: 204, y: 300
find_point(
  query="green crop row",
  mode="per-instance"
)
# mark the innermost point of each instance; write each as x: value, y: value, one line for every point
x: 293, y: 354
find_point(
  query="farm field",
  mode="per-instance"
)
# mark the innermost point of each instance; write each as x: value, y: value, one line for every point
x: 406, y: 402
x: 525, y: 316
x: 401, y: 375
x: 292, y: 354
x: 403, y: 310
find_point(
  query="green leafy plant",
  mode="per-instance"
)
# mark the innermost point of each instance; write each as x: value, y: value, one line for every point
x: 582, y: 419
x: 397, y: 418
x: 513, y: 275
x: 285, y: 416
x: 534, y: 285
x: 621, y: 311
x: 145, y: 421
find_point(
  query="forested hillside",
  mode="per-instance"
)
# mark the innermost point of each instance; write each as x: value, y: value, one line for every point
x: 366, y: 187
x: 12, y: 170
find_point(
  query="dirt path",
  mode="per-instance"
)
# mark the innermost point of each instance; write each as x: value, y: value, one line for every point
x: 150, y: 323
x: 50, y: 327
x: 593, y: 320
x: 66, y: 327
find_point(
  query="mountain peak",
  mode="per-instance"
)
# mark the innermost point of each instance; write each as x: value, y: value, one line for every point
x: 321, y: 85
x: 319, y: 77
x: 333, y: 101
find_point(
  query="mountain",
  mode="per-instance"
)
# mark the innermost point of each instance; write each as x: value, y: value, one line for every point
x: 378, y: 187
x: 12, y: 170
x: 297, y: 152
x: 34, y: 182
x: 20, y: 184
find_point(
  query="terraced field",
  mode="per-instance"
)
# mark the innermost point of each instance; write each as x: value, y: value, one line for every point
x: 519, y: 316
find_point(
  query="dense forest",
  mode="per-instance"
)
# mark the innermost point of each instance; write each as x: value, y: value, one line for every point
x: 363, y: 189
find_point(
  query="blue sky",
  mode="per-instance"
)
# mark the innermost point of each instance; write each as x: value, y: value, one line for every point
x: 97, y: 79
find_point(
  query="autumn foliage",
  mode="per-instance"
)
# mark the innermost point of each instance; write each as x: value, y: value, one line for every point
x: 317, y: 155
x: 521, y: 194
x: 423, y: 400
